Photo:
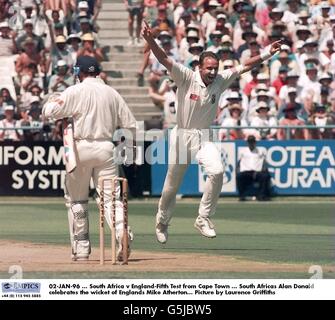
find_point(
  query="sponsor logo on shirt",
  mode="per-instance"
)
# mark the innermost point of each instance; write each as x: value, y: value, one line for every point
x: 213, y: 98
x: 194, y: 97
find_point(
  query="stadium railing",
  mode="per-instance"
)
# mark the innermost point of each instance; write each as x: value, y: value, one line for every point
x: 154, y: 133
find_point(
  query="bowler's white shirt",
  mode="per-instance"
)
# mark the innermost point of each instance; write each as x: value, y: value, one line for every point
x: 197, y: 104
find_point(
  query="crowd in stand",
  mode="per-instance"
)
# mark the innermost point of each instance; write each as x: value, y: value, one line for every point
x: 40, y: 42
x: 295, y: 88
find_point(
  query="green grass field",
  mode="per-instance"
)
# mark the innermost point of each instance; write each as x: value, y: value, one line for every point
x: 299, y: 232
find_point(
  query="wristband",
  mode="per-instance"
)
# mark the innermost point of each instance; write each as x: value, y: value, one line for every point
x: 266, y: 54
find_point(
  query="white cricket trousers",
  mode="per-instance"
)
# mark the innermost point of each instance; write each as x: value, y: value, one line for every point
x: 95, y: 159
x: 186, y: 145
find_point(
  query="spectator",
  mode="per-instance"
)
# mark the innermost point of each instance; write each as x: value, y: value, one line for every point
x: 86, y: 27
x: 222, y: 25
x: 329, y: 34
x: 303, y: 32
x: 57, y: 131
x: 163, y: 22
x: 5, y: 97
x: 9, y: 123
x: 325, y: 79
x: 185, y: 44
x: 243, y: 26
x: 292, y: 82
x: 209, y: 18
x: 248, y: 36
x: 264, y: 79
x: 304, y: 20
x: 263, y: 119
x: 324, y: 97
x: 34, y: 91
x: 310, y: 84
x: 73, y: 41
x: 215, y: 44
x: 281, y: 79
x: 89, y: 48
x: 237, y: 11
x: 311, y: 52
x: 151, y: 10
x: 253, y: 168
x: 59, y: 30
x: 252, y: 51
x: 235, y: 120
x: 227, y: 64
x: 32, y: 118
x: 60, y: 52
x: 230, y: 96
x: 94, y: 8
x: 169, y: 89
x: 226, y: 53
x: 28, y: 33
x: 291, y: 119
x: 5, y: 100
x: 292, y: 99
x: 7, y: 42
x: 321, y: 118
x: 262, y: 13
x: 62, y: 79
x: 284, y: 59
x: 135, y: 8
x: 27, y: 64
x: 275, y: 15
x: 291, y: 16
x: 252, y: 83
x: 183, y: 8
x: 322, y: 20
x: 181, y: 25
x: 40, y: 26
x: 195, y: 50
x: 57, y: 5
x: 4, y: 10
x: 261, y: 96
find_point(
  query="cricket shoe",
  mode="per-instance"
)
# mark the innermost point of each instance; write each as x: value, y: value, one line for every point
x: 162, y: 232
x: 205, y: 226
x: 119, y: 253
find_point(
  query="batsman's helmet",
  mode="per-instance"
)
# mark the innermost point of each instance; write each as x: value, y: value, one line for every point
x: 87, y: 64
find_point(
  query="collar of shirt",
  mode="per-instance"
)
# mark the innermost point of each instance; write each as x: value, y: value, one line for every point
x: 198, y: 79
x: 90, y: 79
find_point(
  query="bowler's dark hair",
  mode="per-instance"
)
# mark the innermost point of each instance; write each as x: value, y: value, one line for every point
x: 207, y: 54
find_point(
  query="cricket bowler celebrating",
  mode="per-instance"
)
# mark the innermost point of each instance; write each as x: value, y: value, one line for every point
x: 197, y: 101
x: 97, y: 110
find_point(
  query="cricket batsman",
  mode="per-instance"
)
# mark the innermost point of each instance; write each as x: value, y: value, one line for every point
x: 97, y: 110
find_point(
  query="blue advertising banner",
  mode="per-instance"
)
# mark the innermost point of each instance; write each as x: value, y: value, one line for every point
x: 297, y: 167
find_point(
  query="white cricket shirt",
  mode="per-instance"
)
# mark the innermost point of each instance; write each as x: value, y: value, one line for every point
x: 97, y: 110
x: 197, y: 104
